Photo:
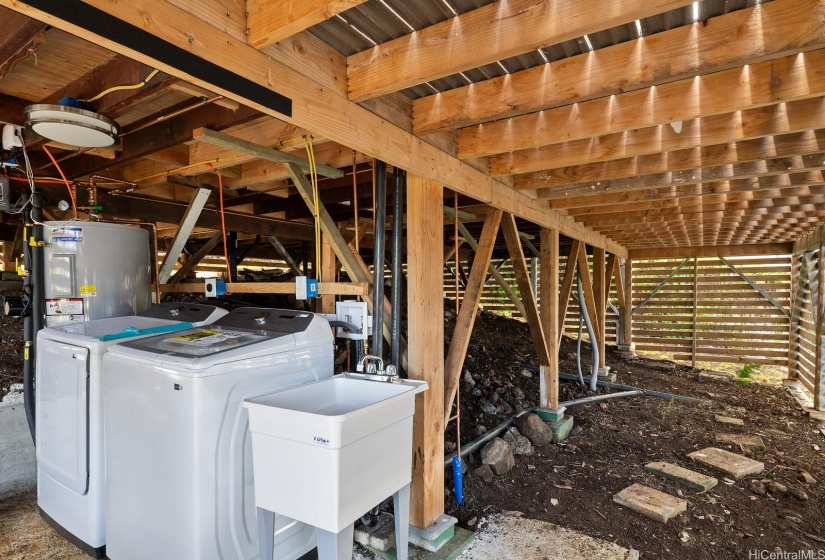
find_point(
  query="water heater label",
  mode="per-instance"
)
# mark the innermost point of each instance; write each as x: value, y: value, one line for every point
x: 88, y: 290
x: 64, y: 306
x: 71, y: 234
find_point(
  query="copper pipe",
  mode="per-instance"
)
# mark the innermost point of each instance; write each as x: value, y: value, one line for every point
x: 172, y: 114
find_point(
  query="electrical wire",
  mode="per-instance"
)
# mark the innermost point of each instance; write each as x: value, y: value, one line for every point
x: 68, y: 186
x: 121, y: 88
x: 313, y: 174
x: 223, y: 225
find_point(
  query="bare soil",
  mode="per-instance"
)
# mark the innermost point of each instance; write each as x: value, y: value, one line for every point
x: 613, y: 440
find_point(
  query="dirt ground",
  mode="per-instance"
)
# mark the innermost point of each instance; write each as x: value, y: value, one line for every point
x: 572, y: 484
x: 613, y: 440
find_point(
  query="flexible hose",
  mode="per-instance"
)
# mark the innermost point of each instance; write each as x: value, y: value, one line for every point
x: 579, y: 349
x: 121, y: 88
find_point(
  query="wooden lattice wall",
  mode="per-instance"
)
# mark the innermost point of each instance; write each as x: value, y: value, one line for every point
x: 806, y: 340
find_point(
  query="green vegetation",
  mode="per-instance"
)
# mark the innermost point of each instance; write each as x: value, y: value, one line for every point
x: 743, y: 374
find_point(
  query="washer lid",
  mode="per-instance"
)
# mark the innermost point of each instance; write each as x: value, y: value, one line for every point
x: 87, y: 333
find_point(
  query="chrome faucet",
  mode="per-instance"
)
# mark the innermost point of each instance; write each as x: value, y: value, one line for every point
x: 367, y: 366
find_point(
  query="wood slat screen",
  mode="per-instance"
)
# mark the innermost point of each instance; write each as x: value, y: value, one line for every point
x: 806, y: 340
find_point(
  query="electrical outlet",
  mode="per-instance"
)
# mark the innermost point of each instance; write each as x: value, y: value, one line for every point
x: 5, y: 195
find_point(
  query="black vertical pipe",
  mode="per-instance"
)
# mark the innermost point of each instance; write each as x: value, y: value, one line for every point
x: 378, y: 258
x: 34, y: 288
x: 233, y: 255
x: 399, y: 182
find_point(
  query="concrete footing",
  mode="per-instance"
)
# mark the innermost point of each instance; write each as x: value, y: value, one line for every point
x: 440, y: 541
x: 605, y: 375
x: 627, y: 350
x: 381, y: 537
x: 548, y: 415
x: 561, y: 428
x: 436, y: 535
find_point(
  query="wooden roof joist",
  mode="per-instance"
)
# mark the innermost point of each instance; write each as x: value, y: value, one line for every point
x: 791, y: 78
x: 783, y: 145
x: 775, y: 29
x: 322, y: 110
x: 488, y: 34
x: 782, y: 118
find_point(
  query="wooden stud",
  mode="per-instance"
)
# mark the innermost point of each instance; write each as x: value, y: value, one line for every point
x: 548, y: 297
x: 324, y: 288
x: 425, y: 233
x: 628, y: 303
x: 195, y: 259
x: 469, y: 309
x: 328, y: 269
x: 589, y: 296
x: 187, y: 224
x: 695, y: 313
x: 511, y: 236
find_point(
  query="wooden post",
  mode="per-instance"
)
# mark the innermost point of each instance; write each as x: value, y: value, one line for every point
x: 797, y: 293
x: 425, y: 305
x: 328, y: 267
x: 599, y: 283
x: 819, y: 316
x: 628, y: 304
x: 548, y: 298
x: 695, y: 309
x: 566, y: 287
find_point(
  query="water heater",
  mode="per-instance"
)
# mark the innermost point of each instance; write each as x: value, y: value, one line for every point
x: 95, y: 270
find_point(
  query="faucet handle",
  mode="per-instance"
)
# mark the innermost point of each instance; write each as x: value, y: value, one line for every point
x: 391, y: 371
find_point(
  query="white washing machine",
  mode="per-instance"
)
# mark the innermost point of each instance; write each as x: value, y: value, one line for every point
x: 178, y: 451
x: 69, y: 414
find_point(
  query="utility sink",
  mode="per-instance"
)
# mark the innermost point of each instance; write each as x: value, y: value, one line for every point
x: 326, y: 452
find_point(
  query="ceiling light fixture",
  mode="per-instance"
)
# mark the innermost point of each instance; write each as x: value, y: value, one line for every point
x: 72, y: 125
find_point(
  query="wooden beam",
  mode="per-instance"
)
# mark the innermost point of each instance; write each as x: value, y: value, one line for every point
x: 425, y: 316
x: 548, y: 298
x: 511, y: 236
x: 485, y: 35
x: 562, y: 196
x: 786, y: 79
x: 197, y: 91
x: 469, y: 309
x: 270, y: 21
x: 262, y: 152
x: 325, y: 111
x: 713, y: 251
x: 22, y: 37
x: 810, y: 240
x: 156, y: 210
x: 275, y: 242
x: 324, y: 288
x: 196, y: 258
x: 328, y: 269
x: 187, y: 224
x: 774, y: 29
x: 567, y: 283
x: 600, y: 299
x: 784, y: 145
x: 784, y: 118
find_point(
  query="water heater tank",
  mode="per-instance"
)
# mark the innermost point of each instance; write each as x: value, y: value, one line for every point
x: 95, y: 270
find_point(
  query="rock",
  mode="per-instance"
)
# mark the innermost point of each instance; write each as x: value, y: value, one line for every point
x: 495, y: 397
x: 526, y: 373
x: 570, y: 448
x: 498, y: 455
x: 776, y: 487
x: 449, y: 446
x: 519, y: 444
x: 757, y: 487
x: 518, y: 393
x: 468, y: 378
x: 570, y: 356
x: 576, y: 431
x: 481, y: 429
x: 798, y: 493
x: 531, y: 427
x: 488, y: 408
x: 484, y: 472
x: 476, y: 392
x: 806, y: 477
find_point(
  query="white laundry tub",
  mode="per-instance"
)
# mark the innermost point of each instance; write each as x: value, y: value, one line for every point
x: 327, y: 452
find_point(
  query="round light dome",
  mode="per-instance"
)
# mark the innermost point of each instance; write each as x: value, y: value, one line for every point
x: 73, y: 126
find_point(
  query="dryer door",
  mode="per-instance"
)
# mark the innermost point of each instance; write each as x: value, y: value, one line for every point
x: 63, y: 413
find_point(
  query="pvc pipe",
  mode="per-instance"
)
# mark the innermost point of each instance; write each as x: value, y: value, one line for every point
x: 604, y: 397
x: 345, y: 325
x: 579, y: 350
x: 399, y: 181
x: 378, y: 258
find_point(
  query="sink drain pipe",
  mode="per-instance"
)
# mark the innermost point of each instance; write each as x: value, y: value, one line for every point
x: 380, y: 216
x: 594, y: 369
x: 484, y: 438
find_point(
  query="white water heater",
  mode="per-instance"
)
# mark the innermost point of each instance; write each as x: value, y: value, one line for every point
x: 95, y: 270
